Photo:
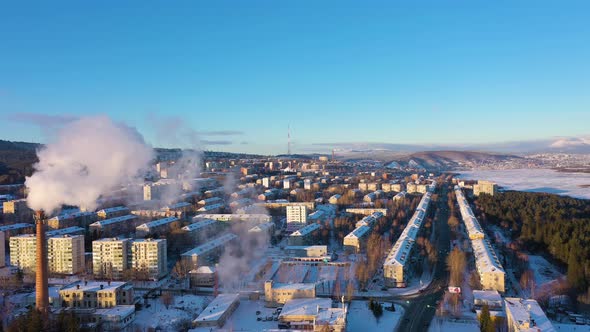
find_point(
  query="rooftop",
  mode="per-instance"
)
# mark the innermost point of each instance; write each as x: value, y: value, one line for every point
x: 113, y: 209
x: 528, y: 314
x: 95, y: 286
x: 65, y: 231
x: 359, y: 232
x: 200, y: 223
x: 304, y: 307
x: 115, y: 220
x: 158, y: 222
x: 217, y: 242
x: 306, y: 230
x: 217, y: 307
x: 485, y: 256
x: 14, y: 226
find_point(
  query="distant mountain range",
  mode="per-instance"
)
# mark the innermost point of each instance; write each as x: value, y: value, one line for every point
x: 556, y: 145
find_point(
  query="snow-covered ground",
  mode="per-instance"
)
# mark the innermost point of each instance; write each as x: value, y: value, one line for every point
x: 561, y: 327
x: 444, y: 325
x: 360, y: 318
x: 536, y: 180
x: 184, y: 307
x: 544, y: 271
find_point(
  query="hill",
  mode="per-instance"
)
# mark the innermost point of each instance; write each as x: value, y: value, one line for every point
x: 444, y: 160
x: 16, y: 161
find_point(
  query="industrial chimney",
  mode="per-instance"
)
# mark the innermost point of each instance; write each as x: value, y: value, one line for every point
x: 42, y: 292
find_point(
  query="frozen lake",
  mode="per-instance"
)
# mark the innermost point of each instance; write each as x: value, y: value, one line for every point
x: 536, y: 180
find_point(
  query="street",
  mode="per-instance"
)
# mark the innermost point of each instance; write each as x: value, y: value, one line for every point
x: 421, y: 307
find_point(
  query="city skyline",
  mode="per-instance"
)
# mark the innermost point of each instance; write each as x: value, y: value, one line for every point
x: 237, y: 76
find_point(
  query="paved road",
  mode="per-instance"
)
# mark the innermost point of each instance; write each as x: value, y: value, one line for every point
x: 421, y: 307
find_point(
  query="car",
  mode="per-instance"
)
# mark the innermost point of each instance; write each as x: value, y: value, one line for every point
x: 258, y: 319
x: 257, y: 312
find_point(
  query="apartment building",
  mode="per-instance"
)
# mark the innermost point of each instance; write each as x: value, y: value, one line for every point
x: 149, y: 256
x: 65, y: 254
x: 485, y: 187
x: 304, y: 236
x: 209, y: 252
x: 356, y: 240
x: 491, y: 273
x: 297, y: 214
x: 110, y: 257
x: 397, y: 264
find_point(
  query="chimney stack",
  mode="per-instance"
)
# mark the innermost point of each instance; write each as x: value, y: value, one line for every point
x: 41, y: 289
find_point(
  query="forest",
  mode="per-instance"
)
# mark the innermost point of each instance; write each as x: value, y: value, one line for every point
x: 545, y: 223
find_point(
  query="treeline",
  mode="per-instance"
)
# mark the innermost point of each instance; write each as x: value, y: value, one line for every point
x: 16, y: 161
x: 546, y: 223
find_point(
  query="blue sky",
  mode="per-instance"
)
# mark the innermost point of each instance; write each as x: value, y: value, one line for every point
x: 240, y: 72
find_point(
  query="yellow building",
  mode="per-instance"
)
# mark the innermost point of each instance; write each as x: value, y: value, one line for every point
x: 95, y: 294
x: 65, y: 254
x: 485, y: 187
x: 276, y: 293
x: 110, y: 257
x: 149, y: 255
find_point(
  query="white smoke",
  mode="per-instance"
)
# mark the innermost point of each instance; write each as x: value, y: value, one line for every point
x: 90, y: 157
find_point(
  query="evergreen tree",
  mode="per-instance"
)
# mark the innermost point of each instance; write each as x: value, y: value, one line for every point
x: 485, y: 320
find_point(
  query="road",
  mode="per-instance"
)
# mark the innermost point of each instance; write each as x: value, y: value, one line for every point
x: 421, y: 307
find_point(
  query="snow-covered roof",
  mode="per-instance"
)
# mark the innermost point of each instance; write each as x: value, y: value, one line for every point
x: 398, y: 255
x: 237, y: 216
x: 264, y: 227
x: 215, y: 243
x: 306, y: 230
x: 359, y: 232
x: 528, y: 315
x: 474, y: 229
x: 487, y: 296
x: 118, y: 311
x: 72, y: 215
x: 157, y: 223
x: 210, y: 200
x: 14, y: 226
x: 65, y: 231
x: 304, y: 307
x: 217, y: 308
x: 201, y: 223
x: 210, y: 207
x: 178, y: 205
x: 113, y: 209
x: 111, y: 221
x: 485, y: 257
x: 204, y: 269
x: 95, y: 286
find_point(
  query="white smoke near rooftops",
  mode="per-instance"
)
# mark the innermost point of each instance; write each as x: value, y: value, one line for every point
x: 90, y: 157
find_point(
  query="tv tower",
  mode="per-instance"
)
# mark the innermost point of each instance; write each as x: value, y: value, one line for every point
x: 289, y: 139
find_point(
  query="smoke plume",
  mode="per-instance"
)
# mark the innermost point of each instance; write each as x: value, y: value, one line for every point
x: 88, y: 158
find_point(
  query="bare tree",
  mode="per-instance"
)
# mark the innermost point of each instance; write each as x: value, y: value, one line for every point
x: 456, y: 262
x: 527, y: 281
x: 167, y: 299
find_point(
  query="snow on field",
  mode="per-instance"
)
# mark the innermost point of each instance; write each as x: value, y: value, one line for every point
x: 360, y: 318
x: 184, y: 307
x: 544, y: 271
x: 246, y: 319
x: 443, y: 325
x: 536, y: 180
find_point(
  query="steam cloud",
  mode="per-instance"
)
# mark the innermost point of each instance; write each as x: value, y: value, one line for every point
x: 89, y: 157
